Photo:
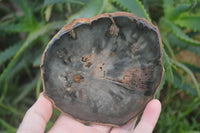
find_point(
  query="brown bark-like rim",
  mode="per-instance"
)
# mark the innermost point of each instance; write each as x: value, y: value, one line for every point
x: 89, y: 21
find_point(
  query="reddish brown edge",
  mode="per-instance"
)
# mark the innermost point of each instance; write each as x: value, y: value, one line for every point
x: 89, y: 20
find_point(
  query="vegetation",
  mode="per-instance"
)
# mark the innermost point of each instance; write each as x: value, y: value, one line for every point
x: 26, y: 27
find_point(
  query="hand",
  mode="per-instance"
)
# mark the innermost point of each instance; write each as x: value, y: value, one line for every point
x: 38, y: 115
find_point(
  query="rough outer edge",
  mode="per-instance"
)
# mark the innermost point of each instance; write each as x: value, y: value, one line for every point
x: 89, y: 21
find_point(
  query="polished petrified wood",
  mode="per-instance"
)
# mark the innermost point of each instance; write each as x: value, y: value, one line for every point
x: 104, y: 69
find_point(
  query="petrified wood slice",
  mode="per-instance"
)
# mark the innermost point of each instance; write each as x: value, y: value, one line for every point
x: 104, y: 69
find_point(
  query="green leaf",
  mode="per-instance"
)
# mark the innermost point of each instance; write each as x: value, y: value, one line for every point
x: 133, y: 6
x: 190, y: 108
x: 10, y: 108
x: 38, y: 87
x: 51, y: 2
x: 191, y: 22
x: 9, y: 52
x: 173, y: 11
x: 192, y: 67
x: 92, y: 8
x: 177, y: 11
x: 161, y: 87
x: 5, y: 131
x: 191, y: 131
x: 28, y: 42
x: 189, y: 72
x: 181, y: 82
x: 37, y: 61
x: 168, y: 7
x: 178, y: 32
x: 8, y: 28
x: 25, y: 7
x: 26, y: 88
x: 176, y: 42
x: 7, y: 126
x: 168, y: 46
x: 28, y: 21
x: 110, y: 8
x: 48, y: 12
x: 168, y: 66
x: 37, y: 33
x: 11, y: 71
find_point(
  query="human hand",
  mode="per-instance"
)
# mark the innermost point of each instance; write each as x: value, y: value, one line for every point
x: 38, y: 115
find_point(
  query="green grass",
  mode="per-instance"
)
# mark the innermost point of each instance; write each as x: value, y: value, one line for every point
x: 26, y: 27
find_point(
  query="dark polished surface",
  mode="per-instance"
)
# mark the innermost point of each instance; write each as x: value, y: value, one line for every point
x: 105, y: 71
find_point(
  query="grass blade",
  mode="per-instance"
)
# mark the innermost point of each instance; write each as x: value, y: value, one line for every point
x: 51, y: 2
x: 37, y: 61
x: 28, y: 42
x: 168, y: 46
x: 26, y: 89
x: 9, y: 28
x: 48, y: 12
x: 192, y: 67
x: 180, y: 9
x: 9, y: 52
x: 194, y: 105
x: 191, y: 22
x: 186, y: 69
x: 179, y: 33
x: 191, y: 132
x: 168, y: 7
x: 181, y: 82
x: 161, y: 87
x: 168, y: 68
x: 133, y: 6
x: 23, y: 4
x: 176, y: 42
x: 92, y: 8
x: 38, y: 87
x: 11, y: 109
x: 37, y: 33
x: 7, y: 126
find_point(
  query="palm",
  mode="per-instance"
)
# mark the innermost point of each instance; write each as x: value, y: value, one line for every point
x: 66, y: 124
x: 39, y: 114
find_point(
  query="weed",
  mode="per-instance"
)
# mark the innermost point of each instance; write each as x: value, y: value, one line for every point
x: 27, y: 26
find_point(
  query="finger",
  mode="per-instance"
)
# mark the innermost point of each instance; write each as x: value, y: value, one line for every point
x: 127, y: 128
x: 119, y: 130
x: 130, y: 126
x: 149, y: 117
x: 65, y: 124
x: 36, y: 117
x: 102, y: 128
